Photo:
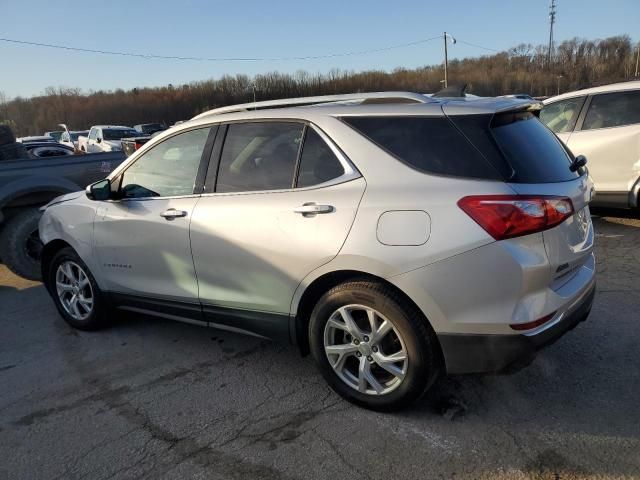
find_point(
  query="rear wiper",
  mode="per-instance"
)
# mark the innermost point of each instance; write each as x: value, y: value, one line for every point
x: 578, y: 162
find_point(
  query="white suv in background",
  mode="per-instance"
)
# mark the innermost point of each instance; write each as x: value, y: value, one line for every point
x: 603, y: 124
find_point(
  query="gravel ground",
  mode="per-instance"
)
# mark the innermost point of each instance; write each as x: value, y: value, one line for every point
x: 153, y: 399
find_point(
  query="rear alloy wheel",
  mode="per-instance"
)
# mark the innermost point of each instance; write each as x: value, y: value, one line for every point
x: 372, y: 346
x: 372, y: 361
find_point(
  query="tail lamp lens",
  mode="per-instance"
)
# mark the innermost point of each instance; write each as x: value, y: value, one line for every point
x: 509, y: 216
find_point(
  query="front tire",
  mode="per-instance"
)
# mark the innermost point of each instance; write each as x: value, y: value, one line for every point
x: 75, y: 291
x: 20, y: 245
x: 372, y: 347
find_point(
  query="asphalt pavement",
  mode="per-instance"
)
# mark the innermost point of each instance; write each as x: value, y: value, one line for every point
x: 149, y: 398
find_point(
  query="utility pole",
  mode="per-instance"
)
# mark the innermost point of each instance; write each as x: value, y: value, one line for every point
x: 446, y: 57
x: 552, y: 20
x: 446, y: 61
x: 637, y: 60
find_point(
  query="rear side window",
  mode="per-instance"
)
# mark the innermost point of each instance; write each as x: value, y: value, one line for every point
x: 533, y: 151
x: 613, y: 110
x: 561, y: 116
x: 259, y: 156
x: 429, y: 144
x: 318, y: 164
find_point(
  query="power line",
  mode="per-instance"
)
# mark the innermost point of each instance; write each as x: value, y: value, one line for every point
x: 219, y: 59
x: 478, y: 46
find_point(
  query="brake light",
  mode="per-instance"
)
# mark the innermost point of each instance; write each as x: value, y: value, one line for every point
x: 534, y: 324
x: 138, y: 144
x: 508, y: 216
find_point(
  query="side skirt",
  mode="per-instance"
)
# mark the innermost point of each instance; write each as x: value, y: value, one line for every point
x: 269, y: 325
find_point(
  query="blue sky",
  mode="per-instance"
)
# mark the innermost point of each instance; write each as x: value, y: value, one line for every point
x: 199, y: 28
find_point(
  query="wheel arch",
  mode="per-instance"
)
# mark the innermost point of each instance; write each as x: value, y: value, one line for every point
x: 48, y: 252
x: 324, y: 283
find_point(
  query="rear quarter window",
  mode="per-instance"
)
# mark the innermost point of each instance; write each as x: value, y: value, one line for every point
x: 535, y: 154
x: 429, y: 144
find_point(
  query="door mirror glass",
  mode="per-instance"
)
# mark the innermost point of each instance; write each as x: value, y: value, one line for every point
x: 100, y: 190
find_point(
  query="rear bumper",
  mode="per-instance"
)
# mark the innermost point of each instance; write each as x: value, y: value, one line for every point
x: 475, y: 353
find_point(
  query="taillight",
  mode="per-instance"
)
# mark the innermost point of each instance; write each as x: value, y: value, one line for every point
x: 138, y: 145
x: 508, y: 216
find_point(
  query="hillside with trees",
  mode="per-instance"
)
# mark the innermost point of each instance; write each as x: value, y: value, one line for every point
x: 576, y: 63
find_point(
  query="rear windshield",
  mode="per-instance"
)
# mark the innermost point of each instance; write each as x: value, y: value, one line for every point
x: 533, y: 151
x: 117, y: 134
x: 428, y: 144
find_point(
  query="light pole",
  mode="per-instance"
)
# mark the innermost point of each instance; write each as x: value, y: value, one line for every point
x: 637, y: 60
x: 559, y: 77
x: 446, y: 58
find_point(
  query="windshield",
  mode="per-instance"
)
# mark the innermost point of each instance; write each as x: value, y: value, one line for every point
x: 75, y: 135
x: 118, y: 133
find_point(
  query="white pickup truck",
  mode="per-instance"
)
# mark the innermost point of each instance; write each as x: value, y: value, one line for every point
x: 105, y: 138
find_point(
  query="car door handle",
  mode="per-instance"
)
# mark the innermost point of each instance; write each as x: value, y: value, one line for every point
x: 173, y: 213
x: 309, y: 209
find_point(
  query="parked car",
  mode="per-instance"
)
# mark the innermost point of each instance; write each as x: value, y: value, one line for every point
x: 105, y: 138
x: 70, y: 138
x: 603, y: 124
x: 56, y: 134
x: 393, y: 241
x: 149, y: 128
x: 28, y: 183
x: 130, y: 145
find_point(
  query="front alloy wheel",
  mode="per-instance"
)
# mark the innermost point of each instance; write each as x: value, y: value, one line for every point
x: 74, y: 290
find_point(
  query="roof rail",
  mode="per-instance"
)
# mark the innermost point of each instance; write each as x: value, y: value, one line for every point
x: 375, y: 97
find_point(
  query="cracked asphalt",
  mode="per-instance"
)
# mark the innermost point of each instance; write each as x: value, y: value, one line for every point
x: 153, y: 399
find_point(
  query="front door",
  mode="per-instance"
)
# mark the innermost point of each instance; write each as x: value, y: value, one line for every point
x: 142, y: 239
x: 283, y: 205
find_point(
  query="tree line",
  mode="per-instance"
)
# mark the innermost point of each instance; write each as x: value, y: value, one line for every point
x: 575, y: 64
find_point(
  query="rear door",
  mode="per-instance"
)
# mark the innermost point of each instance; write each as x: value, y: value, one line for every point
x: 282, y: 203
x: 610, y: 139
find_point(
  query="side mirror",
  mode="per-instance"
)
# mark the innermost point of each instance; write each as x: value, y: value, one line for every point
x: 100, y: 190
x: 99, y: 140
x: 579, y: 162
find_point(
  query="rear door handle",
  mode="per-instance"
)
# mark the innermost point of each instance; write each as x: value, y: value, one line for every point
x: 173, y: 213
x: 310, y: 209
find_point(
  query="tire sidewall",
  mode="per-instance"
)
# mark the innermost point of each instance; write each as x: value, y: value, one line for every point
x: 12, y: 244
x: 419, y: 371
x: 97, y: 317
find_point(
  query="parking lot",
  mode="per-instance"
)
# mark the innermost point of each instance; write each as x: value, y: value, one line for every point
x: 155, y: 399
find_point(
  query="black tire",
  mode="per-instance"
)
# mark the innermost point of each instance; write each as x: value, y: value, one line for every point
x: 98, y: 317
x: 6, y: 135
x: 419, y: 339
x: 13, y: 151
x: 20, y: 246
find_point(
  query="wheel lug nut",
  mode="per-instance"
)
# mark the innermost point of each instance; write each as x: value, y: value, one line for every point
x: 358, y: 354
x: 369, y: 358
x: 366, y: 339
x: 356, y: 342
x: 374, y: 348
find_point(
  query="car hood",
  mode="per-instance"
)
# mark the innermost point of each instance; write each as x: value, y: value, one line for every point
x: 62, y: 198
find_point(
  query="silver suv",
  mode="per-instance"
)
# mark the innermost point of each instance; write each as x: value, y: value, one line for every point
x: 392, y: 235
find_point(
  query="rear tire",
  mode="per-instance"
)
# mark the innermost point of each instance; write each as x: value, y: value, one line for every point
x: 20, y: 245
x: 75, y: 292
x: 398, y: 331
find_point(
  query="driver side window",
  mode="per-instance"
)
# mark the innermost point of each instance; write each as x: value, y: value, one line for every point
x: 168, y: 169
